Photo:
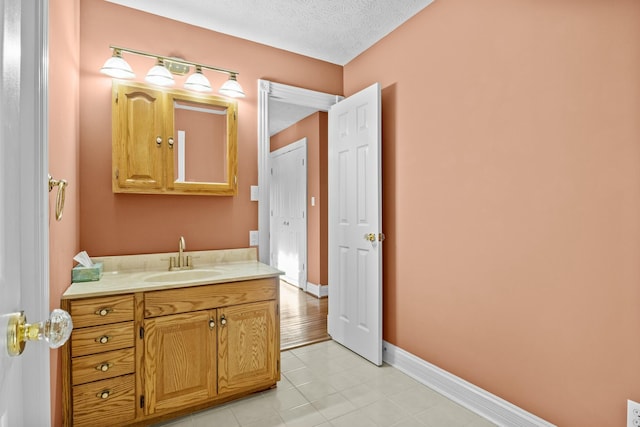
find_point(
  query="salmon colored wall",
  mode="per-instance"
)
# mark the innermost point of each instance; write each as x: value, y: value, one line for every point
x: 64, y: 60
x: 112, y: 224
x: 511, y: 187
x: 314, y: 128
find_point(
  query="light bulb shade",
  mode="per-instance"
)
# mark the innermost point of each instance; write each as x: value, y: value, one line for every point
x: 117, y: 67
x: 232, y: 88
x: 159, y: 75
x: 198, y: 82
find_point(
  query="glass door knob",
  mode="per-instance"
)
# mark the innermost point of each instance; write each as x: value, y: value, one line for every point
x: 55, y: 331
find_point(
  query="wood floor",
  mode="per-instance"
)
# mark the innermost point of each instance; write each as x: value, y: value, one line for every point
x: 303, y: 317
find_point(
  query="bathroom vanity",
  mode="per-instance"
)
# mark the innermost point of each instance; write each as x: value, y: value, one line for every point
x: 150, y: 344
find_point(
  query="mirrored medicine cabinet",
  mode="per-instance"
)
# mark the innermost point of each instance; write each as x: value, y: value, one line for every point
x: 167, y: 141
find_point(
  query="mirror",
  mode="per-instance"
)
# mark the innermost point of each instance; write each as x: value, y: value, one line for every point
x: 173, y: 141
x: 200, y: 147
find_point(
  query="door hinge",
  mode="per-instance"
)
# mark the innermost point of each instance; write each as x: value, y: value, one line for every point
x: 117, y: 97
x: 302, y: 162
x: 141, y: 332
x: 117, y: 173
x: 142, y: 401
x: 278, y: 366
x: 278, y: 309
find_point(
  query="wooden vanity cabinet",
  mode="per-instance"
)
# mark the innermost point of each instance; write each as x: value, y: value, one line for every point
x: 187, y: 348
x: 99, y: 362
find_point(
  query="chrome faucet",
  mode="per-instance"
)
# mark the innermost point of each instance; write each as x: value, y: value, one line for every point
x: 180, y: 262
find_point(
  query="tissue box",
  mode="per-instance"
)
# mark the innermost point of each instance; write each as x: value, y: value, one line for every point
x: 80, y: 273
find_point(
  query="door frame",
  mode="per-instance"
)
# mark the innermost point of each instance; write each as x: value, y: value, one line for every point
x: 297, y: 145
x: 291, y: 95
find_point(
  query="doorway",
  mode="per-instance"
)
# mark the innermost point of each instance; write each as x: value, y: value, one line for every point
x: 303, y: 314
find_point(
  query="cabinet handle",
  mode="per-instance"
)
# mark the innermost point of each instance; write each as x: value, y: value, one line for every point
x: 212, y: 324
x: 104, y: 394
x: 223, y: 320
x: 170, y: 141
x: 158, y: 141
x: 104, y: 311
x: 104, y: 367
x: 103, y: 339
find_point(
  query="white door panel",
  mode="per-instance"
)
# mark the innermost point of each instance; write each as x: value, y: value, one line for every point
x: 355, y: 261
x: 289, y: 212
x: 24, y: 380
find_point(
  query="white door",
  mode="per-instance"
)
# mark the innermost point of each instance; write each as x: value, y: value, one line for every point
x: 24, y: 380
x: 355, y: 222
x: 289, y: 212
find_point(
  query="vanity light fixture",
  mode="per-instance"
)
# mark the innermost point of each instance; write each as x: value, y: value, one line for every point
x: 198, y: 82
x: 161, y: 73
x: 117, y: 67
x: 232, y: 88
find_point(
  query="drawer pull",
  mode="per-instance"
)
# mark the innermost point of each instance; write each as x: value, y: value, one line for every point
x: 212, y: 323
x: 223, y: 320
x: 104, y: 394
x: 103, y: 339
x: 104, y: 311
x: 104, y: 367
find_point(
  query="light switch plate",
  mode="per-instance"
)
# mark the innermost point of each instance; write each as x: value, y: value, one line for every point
x: 255, y: 193
x: 254, y: 237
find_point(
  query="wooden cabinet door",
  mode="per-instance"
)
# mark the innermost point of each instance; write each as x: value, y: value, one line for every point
x: 247, y: 346
x: 138, y: 125
x: 180, y: 360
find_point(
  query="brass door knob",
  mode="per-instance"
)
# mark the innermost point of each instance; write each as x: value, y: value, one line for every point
x: 55, y: 331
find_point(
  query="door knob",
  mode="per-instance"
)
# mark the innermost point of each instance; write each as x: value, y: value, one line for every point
x: 370, y: 237
x: 55, y: 331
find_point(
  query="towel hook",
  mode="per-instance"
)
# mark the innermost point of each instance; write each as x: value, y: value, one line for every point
x: 61, y: 184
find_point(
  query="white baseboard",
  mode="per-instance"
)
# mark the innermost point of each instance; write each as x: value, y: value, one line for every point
x: 473, y: 398
x: 321, y: 291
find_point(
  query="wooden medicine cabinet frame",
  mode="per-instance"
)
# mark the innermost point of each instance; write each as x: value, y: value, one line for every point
x: 144, y: 139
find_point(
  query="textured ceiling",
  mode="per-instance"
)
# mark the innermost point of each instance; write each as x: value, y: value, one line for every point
x: 335, y: 31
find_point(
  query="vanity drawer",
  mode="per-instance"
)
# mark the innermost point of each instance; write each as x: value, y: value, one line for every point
x: 195, y: 298
x: 109, y: 402
x: 97, y: 339
x: 102, y: 366
x: 100, y: 311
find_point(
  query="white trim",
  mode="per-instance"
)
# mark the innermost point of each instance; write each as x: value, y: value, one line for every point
x: 320, y: 291
x: 292, y: 95
x: 475, y: 399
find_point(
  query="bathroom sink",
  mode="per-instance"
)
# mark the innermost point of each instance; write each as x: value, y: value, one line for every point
x: 181, y: 276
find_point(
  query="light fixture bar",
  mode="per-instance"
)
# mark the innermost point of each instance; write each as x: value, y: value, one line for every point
x: 176, y: 60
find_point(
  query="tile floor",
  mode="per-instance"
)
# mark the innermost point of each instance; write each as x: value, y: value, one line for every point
x: 326, y: 385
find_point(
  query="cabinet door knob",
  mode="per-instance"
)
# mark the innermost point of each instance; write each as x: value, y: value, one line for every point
x: 223, y: 320
x: 158, y: 141
x: 170, y: 141
x: 104, y: 394
x: 212, y: 324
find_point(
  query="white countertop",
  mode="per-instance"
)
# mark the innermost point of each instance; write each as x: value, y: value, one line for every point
x: 135, y: 273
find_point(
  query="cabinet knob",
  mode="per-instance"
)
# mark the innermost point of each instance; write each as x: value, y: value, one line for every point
x: 104, y: 394
x: 104, y: 311
x: 158, y: 141
x: 170, y: 141
x: 223, y: 320
x: 103, y: 367
x: 212, y: 324
x: 103, y: 339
